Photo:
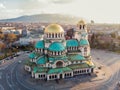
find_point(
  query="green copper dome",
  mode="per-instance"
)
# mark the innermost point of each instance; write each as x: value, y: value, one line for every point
x: 59, y: 70
x: 32, y: 55
x: 56, y: 46
x: 76, y: 57
x: 72, y: 43
x: 39, y: 44
x: 83, y: 42
x: 42, y: 60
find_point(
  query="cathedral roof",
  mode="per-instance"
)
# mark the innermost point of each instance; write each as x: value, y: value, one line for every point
x: 72, y: 43
x: 56, y: 46
x: 76, y: 57
x: 53, y: 28
x: 59, y: 70
x: 81, y: 22
x: 32, y: 55
x: 83, y: 42
x: 53, y: 59
x: 42, y: 60
x: 40, y: 69
x: 39, y: 44
x: 79, y: 66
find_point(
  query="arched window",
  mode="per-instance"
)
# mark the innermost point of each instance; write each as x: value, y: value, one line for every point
x: 85, y: 49
x: 80, y: 26
x: 55, y: 53
x: 59, y: 35
x: 49, y: 35
x: 59, y: 64
x: 52, y: 35
x: 55, y: 76
x: 50, y: 77
x: 56, y: 35
x: 83, y: 26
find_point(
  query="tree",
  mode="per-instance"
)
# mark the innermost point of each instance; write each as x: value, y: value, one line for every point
x: 113, y: 35
x: 92, y: 22
x: 11, y: 37
x: 2, y: 46
x: 0, y: 31
x: 1, y: 36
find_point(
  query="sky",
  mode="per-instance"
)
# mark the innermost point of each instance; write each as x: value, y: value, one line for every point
x: 101, y: 11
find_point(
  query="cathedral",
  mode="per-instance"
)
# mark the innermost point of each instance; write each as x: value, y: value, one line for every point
x: 55, y: 57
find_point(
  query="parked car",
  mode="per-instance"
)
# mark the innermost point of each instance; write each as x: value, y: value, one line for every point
x: 19, y: 61
x: 7, y: 58
x: 27, y: 51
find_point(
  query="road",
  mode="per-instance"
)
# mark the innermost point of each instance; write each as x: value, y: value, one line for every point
x: 111, y: 60
x: 8, y: 74
x: 12, y: 76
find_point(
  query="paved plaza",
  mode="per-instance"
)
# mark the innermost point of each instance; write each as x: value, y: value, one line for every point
x: 14, y: 77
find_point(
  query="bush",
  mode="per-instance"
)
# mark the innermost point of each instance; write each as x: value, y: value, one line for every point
x: 1, y: 57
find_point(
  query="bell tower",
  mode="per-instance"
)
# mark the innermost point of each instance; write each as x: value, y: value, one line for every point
x: 81, y: 31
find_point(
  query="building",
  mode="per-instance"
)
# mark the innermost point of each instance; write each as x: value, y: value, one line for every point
x: 25, y: 32
x: 56, y: 58
x: 29, y: 39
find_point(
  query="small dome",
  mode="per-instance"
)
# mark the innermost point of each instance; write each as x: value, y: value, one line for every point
x: 72, y: 43
x: 83, y: 42
x: 56, y: 46
x: 41, y: 60
x: 39, y: 44
x: 32, y: 55
x: 81, y: 22
x: 76, y: 57
x: 54, y: 28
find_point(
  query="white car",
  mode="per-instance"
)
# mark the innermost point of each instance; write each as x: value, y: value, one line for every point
x: 19, y: 61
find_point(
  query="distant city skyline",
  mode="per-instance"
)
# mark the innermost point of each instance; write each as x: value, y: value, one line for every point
x: 101, y: 11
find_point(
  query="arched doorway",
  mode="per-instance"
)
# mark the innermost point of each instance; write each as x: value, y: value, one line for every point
x: 59, y: 64
x: 60, y: 76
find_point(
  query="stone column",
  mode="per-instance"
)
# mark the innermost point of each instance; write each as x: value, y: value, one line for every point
x: 58, y: 76
x: 63, y: 75
x: 90, y: 70
x: 71, y: 74
x: 48, y: 77
x: 56, y: 53
x: 53, y: 53
x: 32, y: 74
x: 86, y: 70
x: 48, y: 35
x: 36, y: 75
x: 54, y: 35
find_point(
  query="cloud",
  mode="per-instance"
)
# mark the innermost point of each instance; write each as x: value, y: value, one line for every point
x: 33, y: 4
x: 61, y: 1
x: 53, y: 1
x: 2, y: 6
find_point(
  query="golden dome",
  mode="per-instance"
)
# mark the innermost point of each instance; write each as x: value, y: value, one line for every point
x: 81, y: 22
x: 54, y: 28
